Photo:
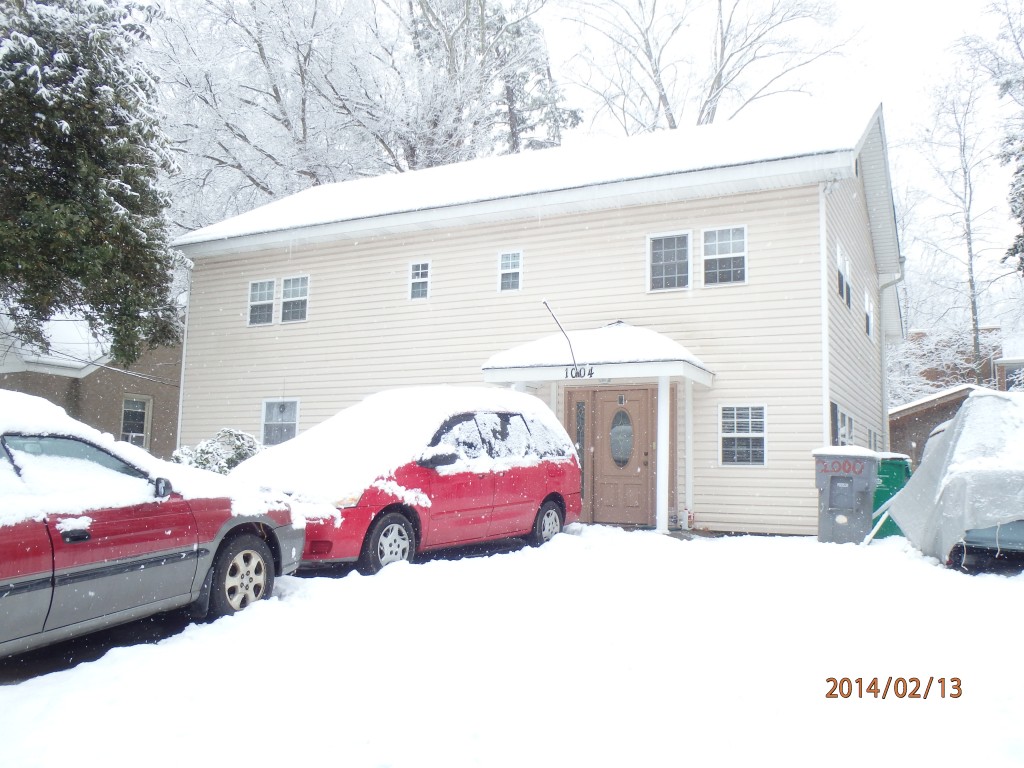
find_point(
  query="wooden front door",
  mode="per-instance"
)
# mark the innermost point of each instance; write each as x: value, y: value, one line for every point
x: 613, y: 428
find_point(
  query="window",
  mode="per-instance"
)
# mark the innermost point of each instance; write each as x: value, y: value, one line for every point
x: 1015, y: 377
x: 135, y: 421
x: 670, y: 262
x: 294, y: 299
x: 419, y: 280
x: 261, y: 302
x: 460, y: 435
x: 869, y: 314
x: 509, y: 270
x: 843, y: 276
x: 842, y: 426
x: 506, y: 435
x: 874, y: 440
x: 725, y: 256
x: 280, y: 420
x: 743, y: 433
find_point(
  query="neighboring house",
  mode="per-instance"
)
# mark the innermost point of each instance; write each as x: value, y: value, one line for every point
x: 139, y: 405
x: 910, y: 424
x: 753, y: 263
x: 1010, y: 365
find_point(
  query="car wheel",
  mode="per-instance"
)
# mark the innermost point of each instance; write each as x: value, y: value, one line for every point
x: 390, y: 540
x: 547, y: 524
x: 242, y: 574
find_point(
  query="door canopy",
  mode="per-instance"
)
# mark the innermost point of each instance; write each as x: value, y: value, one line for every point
x: 615, y: 351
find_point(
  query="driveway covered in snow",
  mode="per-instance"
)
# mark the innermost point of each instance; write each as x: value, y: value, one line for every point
x: 602, y: 648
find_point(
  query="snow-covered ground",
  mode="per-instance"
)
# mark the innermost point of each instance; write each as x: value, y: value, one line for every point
x: 602, y: 648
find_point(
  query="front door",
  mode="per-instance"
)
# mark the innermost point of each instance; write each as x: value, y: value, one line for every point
x: 613, y: 428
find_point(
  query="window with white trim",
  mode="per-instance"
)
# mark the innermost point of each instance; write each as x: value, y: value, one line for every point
x: 869, y: 314
x: 509, y: 268
x: 419, y: 280
x: 280, y: 420
x: 261, y: 302
x: 743, y: 435
x: 135, y: 418
x: 843, y: 276
x: 669, y: 262
x: 294, y: 299
x: 725, y: 255
x: 842, y: 426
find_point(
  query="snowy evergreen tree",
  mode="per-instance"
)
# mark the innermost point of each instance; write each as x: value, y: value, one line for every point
x: 81, y: 213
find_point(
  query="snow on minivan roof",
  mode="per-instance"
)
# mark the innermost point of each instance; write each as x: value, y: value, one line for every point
x: 342, y: 456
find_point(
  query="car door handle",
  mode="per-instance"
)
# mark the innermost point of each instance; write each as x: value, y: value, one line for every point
x: 76, y: 536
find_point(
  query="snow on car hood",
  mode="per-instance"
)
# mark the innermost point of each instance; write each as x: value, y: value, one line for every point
x: 26, y: 414
x: 337, y: 460
x: 970, y: 477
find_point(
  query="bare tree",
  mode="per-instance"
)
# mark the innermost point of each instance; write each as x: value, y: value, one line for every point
x: 654, y: 64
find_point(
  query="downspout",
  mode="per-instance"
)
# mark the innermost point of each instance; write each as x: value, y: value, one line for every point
x: 184, y: 350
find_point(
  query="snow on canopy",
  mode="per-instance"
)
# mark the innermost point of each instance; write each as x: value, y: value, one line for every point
x: 88, y: 487
x: 597, y: 161
x: 617, y: 342
x: 338, y: 459
x: 971, y: 476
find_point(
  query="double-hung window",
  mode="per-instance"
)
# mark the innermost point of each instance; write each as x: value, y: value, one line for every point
x: 509, y: 270
x: 843, y: 277
x: 135, y: 411
x: 669, y: 261
x: 743, y: 434
x: 419, y: 280
x: 280, y: 420
x: 869, y: 314
x: 725, y: 255
x: 261, y: 302
x: 294, y: 299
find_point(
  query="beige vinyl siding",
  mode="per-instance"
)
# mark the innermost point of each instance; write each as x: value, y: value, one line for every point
x: 762, y: 338
x: 855, y: 370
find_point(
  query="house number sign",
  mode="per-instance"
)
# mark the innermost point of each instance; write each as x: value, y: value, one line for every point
x: 579, y: 372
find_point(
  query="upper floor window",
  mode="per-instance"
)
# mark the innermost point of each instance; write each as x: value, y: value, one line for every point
x: 135, y: 412
x: 725, y: 255
x: 419, y: 280
x: 670, y: 262
x: 743, y: 434
x: 280, y: 420
x: 261, y: 302
x: 294, y: 299
x: 869, y: 314
x: 509, y: 271
x: 843, y: 276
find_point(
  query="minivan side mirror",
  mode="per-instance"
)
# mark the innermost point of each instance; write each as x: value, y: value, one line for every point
x: 435, y: 460
x: 163, y: 487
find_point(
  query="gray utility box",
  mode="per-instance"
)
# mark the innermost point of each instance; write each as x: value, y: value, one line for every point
x: 846, y: 478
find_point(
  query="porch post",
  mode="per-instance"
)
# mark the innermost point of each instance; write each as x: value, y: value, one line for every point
x: 661, y: 469
x: 684, y: 517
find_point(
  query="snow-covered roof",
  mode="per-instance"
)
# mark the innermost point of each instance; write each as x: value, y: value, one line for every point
x: 341, y: 457
x: 961, y: 390
x: 722, y: 159
x: 74, y: 350
x: 617, y: 350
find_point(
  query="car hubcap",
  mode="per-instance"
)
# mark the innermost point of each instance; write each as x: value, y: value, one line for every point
x: 246, y: 580
x: 393, y: 545
x: 550, y: 525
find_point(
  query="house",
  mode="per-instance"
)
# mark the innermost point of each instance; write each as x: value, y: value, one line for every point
x: 728, y: 287
x: 138, y: 404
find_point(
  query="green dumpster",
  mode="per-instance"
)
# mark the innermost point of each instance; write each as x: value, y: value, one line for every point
x: 893, y: 473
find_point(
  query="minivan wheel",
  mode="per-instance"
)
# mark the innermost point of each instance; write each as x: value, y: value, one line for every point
x: 243, y: 573
x: 547, y: 524
x: 390, y: 540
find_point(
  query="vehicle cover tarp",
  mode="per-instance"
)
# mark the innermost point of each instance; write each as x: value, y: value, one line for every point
x: 971, y: 475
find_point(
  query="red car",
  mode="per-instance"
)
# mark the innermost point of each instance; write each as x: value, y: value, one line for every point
x: 92, y: 532
x: 422, y: 468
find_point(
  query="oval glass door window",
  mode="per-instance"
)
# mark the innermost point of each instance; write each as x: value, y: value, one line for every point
x: 621, y: 439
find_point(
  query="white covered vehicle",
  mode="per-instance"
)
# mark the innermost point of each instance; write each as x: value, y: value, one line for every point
x: 967, y: 497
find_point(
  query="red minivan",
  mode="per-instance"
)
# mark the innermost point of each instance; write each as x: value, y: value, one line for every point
x: 95, y: 532
x: 422, y: 468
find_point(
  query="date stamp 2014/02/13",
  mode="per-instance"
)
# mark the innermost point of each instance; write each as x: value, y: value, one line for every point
x: 897, y: 687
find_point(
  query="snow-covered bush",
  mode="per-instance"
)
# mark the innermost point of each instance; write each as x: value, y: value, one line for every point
x: 221, y: 453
